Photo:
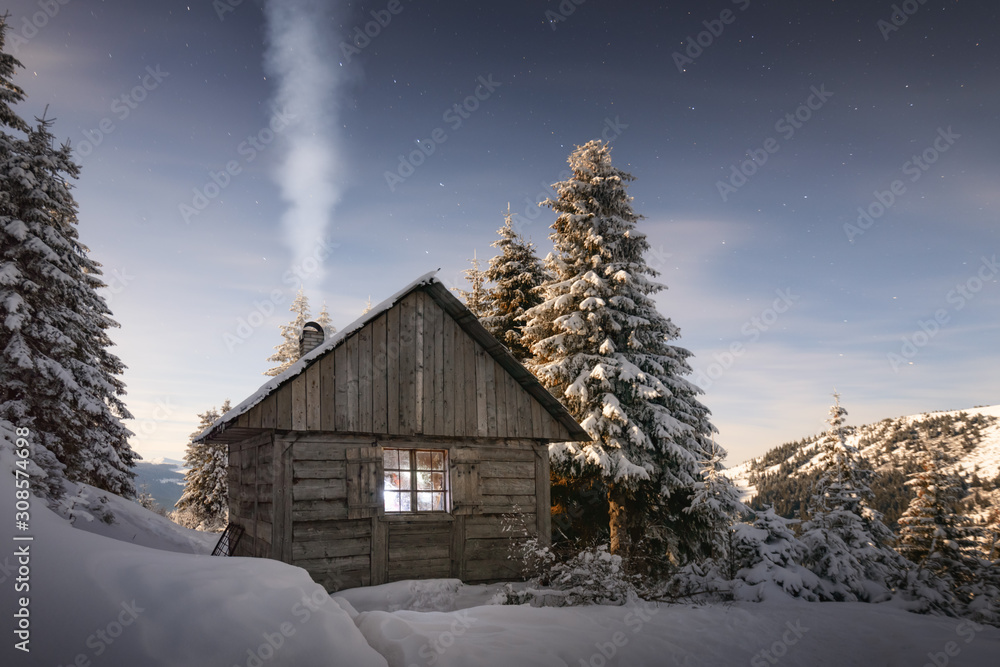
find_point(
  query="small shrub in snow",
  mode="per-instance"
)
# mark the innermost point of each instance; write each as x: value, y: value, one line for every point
x: 574, y: 577
x: 591, y: 576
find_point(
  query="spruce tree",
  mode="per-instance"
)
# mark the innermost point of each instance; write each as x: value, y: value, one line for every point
x: 206, y: 492
x: 848, y: 545
x: 949, y: 573
x: 323, y: 319
x: 516, y: 275
x: 475, y: 298
x: 600, y: 346
x: 715, y: 505
x: 57, y: 376
x: 287, y: 353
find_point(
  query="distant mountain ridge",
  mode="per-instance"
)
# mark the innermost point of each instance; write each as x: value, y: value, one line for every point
x: 784, y: 476
x: 161, y: 478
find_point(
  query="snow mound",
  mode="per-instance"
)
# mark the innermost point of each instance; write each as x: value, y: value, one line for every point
x: 96, y: 600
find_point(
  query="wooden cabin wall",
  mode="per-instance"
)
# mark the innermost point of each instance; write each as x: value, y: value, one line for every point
x: 251, y: 494
x: 341, y: 535
x: 331, y: 543
x: 411, y: 371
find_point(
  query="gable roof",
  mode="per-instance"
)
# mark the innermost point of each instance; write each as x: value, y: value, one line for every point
x: 243, y: 420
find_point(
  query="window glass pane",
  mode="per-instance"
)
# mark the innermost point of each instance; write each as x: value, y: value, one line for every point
x: 424, y: 481
x: 437, y: 481
x: 437, y: 460
x: 391, y: 501
x: 404, y: 481
x: 405, y: 502
x: 424, y: 460
x: 424, y: 501
x: 438, y: 502
x: 390, y: 459
x: 391, y: 481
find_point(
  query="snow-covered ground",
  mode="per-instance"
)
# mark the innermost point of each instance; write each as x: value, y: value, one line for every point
x: 99, y: 598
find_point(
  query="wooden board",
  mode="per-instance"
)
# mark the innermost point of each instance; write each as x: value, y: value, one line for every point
x: 283, y: 408
x: 331, y: 530
x: 392, y: 368
x: 365, y: 380
x: 380, y: 417
x: 327, y: 390
x: 447, y: 397
x: 352, y: 348
x: 299, y: 403
x: 340, y: 400
x: 313, y: 398
x: 379, y: 551
x: 407, y: 366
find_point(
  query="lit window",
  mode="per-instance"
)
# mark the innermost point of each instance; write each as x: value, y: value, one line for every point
x: 416, y: 480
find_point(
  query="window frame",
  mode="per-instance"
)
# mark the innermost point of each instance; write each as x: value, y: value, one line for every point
x: 413, y: 469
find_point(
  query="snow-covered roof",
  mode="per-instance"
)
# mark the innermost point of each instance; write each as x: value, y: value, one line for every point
x: 497, y: 350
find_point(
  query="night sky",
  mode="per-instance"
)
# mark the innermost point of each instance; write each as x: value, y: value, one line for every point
x: 756, y: 130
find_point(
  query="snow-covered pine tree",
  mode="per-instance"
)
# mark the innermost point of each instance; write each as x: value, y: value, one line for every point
x: 57, y: 376
x: 942, y: 542
x: 205, y: 501
x: 515, y: 274
x: 475, y: 298
x: 323, y: 319
x: 769, y: 554
x: 287, y: 353
x: 847, y: 543
x: 600, y: 346
x: 715, y: 506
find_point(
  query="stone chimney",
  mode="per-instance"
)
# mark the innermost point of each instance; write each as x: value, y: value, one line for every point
x: 311, y: 338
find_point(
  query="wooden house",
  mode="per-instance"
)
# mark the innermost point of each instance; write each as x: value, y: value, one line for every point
x: 392, y: 449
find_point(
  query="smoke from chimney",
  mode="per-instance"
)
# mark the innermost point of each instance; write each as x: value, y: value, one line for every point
x: 301, y: 56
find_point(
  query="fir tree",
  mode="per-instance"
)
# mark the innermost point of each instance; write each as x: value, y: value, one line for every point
x: 767, y: 553
x: 600, y: 346
x: 57, y: 376
x: 846, y: 540
x: 716, y: 504
x: 287, y: 353
x: 206, y: 492
x: 933, y: 532
x: 516, y: 275
x: 949, y: 574
x: 475, y: 298
x: 323, y: 319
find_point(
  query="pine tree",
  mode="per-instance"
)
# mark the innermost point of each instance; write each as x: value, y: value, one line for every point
x: 767, y: 553
x: 475, y: 298
x: 323, y: 319
x: 846, y: 540
x: 716, y: 504
x: 600, y: 346
x: 942, y: 542
x: 516, y: 275
x: 933, y: 533
x: 287, y: 353
x: 206, y: 492
x: 57, y: 376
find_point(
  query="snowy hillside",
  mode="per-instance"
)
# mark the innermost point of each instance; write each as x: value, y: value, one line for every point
x: 972, y: 437
x: 96, y: 597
